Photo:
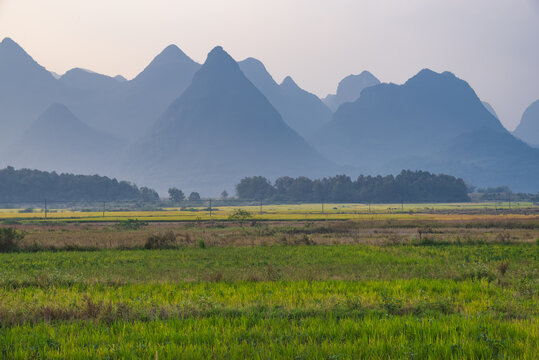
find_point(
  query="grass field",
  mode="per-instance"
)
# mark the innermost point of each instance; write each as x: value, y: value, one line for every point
x: 442, y: 287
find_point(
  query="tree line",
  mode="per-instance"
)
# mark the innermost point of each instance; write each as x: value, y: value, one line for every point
x: 25, y: 185
x: 408, y: 186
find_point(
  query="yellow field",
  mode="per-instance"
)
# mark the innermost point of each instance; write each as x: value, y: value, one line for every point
x: 454, y: 211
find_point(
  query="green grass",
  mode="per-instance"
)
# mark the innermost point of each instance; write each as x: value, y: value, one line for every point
x: 345, y: 262
x: 273, y: 302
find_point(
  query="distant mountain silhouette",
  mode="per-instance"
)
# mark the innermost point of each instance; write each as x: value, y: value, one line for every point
x: 82, y: 79
x: 490, y: 109
x: 528, y: 129
x: 26, y: 89
x: 204, y: 128
x: 219, y: 130
x: 111, y: 104
x: 433, y: 122
x: 129, y: 108
x: 59, y: 141
x: 301, y: 110
x: 350, y: 89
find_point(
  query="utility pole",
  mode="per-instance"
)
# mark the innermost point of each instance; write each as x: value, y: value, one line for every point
x: 322, y: 207
x: 260, y: 207
x: 45, y: 208
x: 210, y: 207
x: 104, y: 208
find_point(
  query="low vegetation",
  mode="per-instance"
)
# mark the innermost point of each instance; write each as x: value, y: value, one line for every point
x: 10, y: 239
x: 283, y: 289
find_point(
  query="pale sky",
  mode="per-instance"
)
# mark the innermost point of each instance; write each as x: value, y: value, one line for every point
x: 493, y: 44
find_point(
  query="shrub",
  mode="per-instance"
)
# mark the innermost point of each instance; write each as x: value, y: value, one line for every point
x: 10, y: 239
x: 502, y: 268
x: 240, y: 215
x: 503, y: 238
x: 131, y: 224
x: 202, y: 244
x: 161, y: 241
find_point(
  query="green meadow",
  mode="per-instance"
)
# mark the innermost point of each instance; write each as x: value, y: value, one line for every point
x: 405, y: 301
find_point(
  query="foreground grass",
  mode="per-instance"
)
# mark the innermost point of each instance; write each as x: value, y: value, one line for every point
x: 263, y: 337
x: 304, y: 302
x: 259, y: 263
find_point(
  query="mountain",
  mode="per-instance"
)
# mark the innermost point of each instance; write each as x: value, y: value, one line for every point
x: 433, y: 122
x: 301, y: 110
x: 59, y: 141
x: 490, y: 109
x: 350, y: 89
x: 528, y: 129
x: 87, y: 80
x: 26, y: 89
x: 129, y: 108
x: 219, y: 130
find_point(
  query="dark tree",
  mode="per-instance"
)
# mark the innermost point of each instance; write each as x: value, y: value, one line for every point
x: 408, y: 186
x: 176, y: 195
x: 26, y: 185
x: 194, y: 197
x: 148, y: 195
x: 254, y: 188
x: 224, y: 195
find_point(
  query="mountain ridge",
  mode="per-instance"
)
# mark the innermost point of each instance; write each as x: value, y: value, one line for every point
x: 240, y: 131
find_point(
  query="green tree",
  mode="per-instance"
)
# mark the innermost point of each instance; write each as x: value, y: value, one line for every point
x: 147, y: 194
x: 176, y: 195
x: 254, y: 188
x: 194, y: 197
x: 240, y: 215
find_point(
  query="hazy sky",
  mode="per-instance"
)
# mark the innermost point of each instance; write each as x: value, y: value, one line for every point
x: 493, y: 44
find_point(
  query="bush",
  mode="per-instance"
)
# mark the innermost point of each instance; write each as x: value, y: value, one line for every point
x: 240, y: 215
x: 10, y: 239
x: 131, y: 224
x: 161, y: 241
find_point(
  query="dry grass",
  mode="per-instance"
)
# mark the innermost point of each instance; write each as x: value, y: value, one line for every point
x: 256, y: 233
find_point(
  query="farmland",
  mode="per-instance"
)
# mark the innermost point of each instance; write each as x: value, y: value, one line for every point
x: 437, y: 283
x: 115, y: 212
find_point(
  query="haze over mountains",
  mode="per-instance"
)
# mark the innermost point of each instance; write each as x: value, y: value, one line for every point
x: 349, y: 89
x: 528, y: 129
x: 220, y: 129
x: 59, y: 141
x: 301, y: 110
x: 434, y: 122
x: 26, y: 90
x: 204, y: 127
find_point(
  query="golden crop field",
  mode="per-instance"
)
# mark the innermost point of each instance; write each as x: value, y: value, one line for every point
x: 453, y: 211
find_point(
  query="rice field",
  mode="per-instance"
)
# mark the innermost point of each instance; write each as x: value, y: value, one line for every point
x: 311, y: 212
x: 431, y: 286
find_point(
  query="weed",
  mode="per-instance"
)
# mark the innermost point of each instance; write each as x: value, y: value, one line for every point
x: 161, y: 241
x: 131, y: 224
x: 502, y: 268
x: 10, y: 239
